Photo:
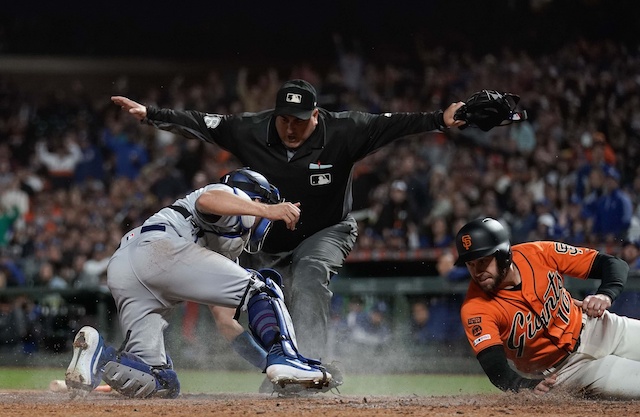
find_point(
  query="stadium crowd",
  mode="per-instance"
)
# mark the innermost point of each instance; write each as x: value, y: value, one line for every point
x: 75, y: 173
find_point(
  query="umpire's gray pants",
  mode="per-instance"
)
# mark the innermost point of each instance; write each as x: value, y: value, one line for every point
x: 307, y: 271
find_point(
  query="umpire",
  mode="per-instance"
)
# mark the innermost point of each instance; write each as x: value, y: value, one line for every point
x: 310, y: 153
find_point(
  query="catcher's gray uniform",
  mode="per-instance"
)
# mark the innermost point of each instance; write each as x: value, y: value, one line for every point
x: 157, y: 266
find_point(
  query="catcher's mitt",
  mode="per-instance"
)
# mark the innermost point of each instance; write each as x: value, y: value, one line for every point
x: 487, y: 109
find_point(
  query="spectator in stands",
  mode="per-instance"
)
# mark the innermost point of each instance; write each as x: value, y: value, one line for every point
x: 599, y: 156
x: 435, y: 321
x: 545, y: 227
x: 432, y: 326
x: 595, y: 187
x: 91, y: 164
x: 167, y: 182
x: 14, y: 195
x: 372, y: 331
x: 396, y: 223
x: 93, y: 270
x: 355, y: 317
x: 448, y: 270
x: 420, y: 334
x: 522, y: 219
x: 524, y: 137
x: 628, y: 303
x: 613, y: 210
x: 13, y: 276
x: 128, y: 156
x: 438, y: 234
x: 8, y: 216
x: 630, y: 253
x: 60, y: 158
x: 9, y: 335
x: 49, y: 277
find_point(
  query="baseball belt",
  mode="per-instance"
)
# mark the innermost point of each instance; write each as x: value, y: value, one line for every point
x: 564, y: 359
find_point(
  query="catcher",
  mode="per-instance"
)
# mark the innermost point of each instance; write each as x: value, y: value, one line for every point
x: 517, y: 310
x: 189, y: 251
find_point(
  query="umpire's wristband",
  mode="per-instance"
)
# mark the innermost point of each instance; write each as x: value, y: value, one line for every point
x: 440, y: 120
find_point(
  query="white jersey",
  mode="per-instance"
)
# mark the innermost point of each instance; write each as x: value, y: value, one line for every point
x: 226, y: 235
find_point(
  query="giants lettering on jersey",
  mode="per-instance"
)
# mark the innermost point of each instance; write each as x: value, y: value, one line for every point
x: 526, y: 324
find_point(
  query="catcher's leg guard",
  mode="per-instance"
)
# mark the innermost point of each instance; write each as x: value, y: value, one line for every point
x: 130, y: 376
x: 269, y: 318
x: 271, y: 325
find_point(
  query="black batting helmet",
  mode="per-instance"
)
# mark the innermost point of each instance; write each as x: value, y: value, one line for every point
x: 483, y: 237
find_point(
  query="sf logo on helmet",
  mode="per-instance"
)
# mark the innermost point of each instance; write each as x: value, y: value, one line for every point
x: 466, y: 241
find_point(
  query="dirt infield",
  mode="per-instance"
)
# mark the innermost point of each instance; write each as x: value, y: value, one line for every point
x: 45, y: 403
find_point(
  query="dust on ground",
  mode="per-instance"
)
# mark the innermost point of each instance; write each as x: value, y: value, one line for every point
x: 46, y: 403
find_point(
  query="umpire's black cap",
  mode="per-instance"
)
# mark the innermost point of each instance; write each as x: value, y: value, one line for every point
x: 296, y: 98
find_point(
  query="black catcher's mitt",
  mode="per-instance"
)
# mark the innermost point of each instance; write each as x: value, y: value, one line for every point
x: 487, y: 109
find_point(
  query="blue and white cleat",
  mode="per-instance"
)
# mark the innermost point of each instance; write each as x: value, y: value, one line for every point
x: 283, y: 370
x: 84, y: 373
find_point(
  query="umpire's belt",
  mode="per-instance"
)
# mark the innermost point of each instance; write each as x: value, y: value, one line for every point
x: 564, y: 359
x: 153, y: 227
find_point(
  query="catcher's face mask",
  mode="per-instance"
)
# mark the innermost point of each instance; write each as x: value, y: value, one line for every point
x: 487, y: 109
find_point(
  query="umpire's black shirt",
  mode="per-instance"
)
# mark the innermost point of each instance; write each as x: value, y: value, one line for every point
x: 319, y: 173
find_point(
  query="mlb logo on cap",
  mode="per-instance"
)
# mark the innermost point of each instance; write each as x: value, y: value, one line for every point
x: 294, y: 98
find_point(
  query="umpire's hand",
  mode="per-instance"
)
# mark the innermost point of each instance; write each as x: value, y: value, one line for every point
x: 449, y: 121
x: 135, y: 109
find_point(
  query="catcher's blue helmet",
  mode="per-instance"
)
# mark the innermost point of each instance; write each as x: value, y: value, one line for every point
x: 255, y: 185
x: 252, y: 183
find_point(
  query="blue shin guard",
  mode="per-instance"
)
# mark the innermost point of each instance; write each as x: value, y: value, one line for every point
x: 130, y: 376
x: 271, y: 325
x: 269, y: 318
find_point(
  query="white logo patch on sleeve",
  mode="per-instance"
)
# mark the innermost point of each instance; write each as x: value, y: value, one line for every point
x: 212, y: 120
x: 481, y: 339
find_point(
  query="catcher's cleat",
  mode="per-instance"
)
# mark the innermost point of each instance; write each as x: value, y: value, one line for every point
x: 289, y: 390
x: 84, y: 373
x: 283, y: 370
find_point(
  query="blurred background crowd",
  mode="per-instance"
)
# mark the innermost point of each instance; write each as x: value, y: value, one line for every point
x: 76, y: 173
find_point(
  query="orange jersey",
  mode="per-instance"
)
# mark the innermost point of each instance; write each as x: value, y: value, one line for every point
x: 537, y: 324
